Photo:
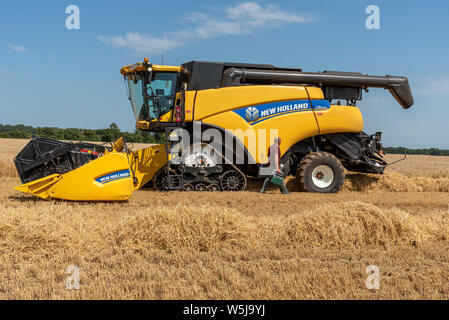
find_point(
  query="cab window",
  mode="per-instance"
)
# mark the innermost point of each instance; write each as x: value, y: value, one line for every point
x: 163, y: 87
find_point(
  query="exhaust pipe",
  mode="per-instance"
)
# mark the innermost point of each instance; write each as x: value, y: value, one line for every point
x: 398, y: 86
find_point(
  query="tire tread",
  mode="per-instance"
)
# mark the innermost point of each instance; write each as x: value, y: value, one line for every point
x: 305, y: 164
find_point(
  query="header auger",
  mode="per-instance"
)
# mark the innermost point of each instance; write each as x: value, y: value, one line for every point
x: 219, y: 119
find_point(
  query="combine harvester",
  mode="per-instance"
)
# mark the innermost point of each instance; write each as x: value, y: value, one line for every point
x: 320, y: 135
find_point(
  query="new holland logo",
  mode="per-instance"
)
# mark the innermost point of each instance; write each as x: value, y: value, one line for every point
x: 113, y: 176
x: 251, y: 114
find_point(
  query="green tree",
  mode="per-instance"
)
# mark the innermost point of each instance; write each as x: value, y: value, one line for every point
x: 72, y: 134
x: 113, y: 126
x: 90, y: 135
x: 17, y: 134
x: 48, y: 132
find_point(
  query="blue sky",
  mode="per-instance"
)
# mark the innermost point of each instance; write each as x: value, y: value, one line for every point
x: 51, y: 76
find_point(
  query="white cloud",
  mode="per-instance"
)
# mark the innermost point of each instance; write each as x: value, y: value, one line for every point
x: 141, y: 42
x: 434, y: 85
x: 16, y: 48
x: 245, y: 18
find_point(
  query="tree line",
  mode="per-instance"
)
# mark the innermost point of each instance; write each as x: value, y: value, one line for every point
x: 429, y: 151
x: 112, y: 133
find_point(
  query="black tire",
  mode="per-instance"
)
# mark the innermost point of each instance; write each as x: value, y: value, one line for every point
x: 213, y: 187
x: 188, y: 187
x: 200, y: 187
x: 232, y: 180
x: 163, y: 183
x: 311, y: 179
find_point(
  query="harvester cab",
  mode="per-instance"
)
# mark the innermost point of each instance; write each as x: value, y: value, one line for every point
x: 155, y: 93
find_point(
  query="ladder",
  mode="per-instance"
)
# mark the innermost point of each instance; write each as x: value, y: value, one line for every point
x: 175, y: 178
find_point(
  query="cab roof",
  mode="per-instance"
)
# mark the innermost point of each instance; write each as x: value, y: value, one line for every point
x: 208, y: 74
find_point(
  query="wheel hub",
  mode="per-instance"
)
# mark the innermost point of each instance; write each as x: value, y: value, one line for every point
x: 322, y: 176
x: 200, y: 156
x: 232, y: 182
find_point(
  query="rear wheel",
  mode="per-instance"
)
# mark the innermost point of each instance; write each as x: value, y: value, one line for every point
x: 320, y: 172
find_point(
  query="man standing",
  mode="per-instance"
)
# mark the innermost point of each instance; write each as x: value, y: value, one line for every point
x: 274, y: 157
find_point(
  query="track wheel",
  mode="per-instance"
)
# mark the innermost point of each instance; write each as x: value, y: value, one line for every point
x: 188, y: 187
x: 213, y: 187
x: 200, y: 187
x: 164, y: 183
x: 320, y: 172
x: 232, y: 180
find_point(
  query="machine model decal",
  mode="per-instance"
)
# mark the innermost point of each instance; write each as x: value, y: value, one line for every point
x: 259, y: 113
x: 320, y: 105
x: 114, y: 176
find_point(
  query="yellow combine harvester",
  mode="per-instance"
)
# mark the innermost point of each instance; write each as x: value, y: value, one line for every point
x: 219, y: 120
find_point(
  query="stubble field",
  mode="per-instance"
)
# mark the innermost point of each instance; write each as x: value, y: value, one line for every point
x: 233, y: 245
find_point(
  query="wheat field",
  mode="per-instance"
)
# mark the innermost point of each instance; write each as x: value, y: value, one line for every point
x: 220, y: 245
